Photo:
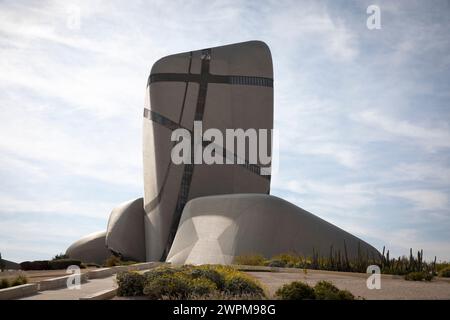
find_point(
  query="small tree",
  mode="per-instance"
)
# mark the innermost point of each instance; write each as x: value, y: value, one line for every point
x: 2, y: 263
x: 60, y: 256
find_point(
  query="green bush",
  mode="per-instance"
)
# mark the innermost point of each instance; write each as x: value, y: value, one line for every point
x: 239, y: 285
x: 445, y: 272
x: 4, y: 283
x: 290, y: 260
x: 35, y: 265
x: 202, y: 287
x: 250, y: 260
x: 296, y: 290
x: 325, y: 290
x: 276, y: 263
x: 189, y: 282
x: 168, y: 286
x: 60, y: 256
x: 19, y: 280
x: 158, y: 272
x: 210, y: 274
x: 2, y: 263
x: 63, y: 264
x: 49, y: 265
x: 130, y: 284
x: 113, y: 261
x: 90, y: 265
x: 418, y: 276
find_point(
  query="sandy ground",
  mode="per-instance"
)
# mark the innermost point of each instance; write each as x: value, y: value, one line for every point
x: 392, y: 287
x: 38, y: 275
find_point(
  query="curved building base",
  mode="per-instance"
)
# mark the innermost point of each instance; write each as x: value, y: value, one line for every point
x: 216, y: 229
x: 125, y: 233
x: 90, y: 249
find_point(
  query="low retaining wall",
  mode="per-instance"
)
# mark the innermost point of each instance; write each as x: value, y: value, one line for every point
x: 60, y: 282
x: 101, y: 273
x: 18, y: 291
x: 107, y: 272
x: 102, y: 295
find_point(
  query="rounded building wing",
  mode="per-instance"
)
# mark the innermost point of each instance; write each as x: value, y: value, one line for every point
x: 216, y: 229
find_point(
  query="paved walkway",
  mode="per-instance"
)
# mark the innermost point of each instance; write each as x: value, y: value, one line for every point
x: 87, y: 288
x: 391, y: 287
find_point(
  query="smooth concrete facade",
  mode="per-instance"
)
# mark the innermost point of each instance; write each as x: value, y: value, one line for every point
x: 90, y: 249
x: 198, y: 213
x: 125, y: 232
x: 216, y: 229
x: 225, y: 87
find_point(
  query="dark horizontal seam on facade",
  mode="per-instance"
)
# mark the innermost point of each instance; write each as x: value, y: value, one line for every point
x: 211, y: 78
x: 166, y: 122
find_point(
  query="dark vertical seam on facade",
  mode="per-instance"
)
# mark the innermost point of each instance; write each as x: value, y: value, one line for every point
x: 183, y: 193
x: 185, y: 89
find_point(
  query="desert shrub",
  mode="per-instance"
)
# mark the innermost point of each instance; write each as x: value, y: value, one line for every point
x: 158, y: 272
x: 296, y: 290
x: 2, y: 263
x: 239, y: 285
x: 418, y: 276
x: 325, y: 290
x: 347, y: 295
x: 276, y: 263
x: 210, y: 274
x: 189, y: 282
x: 130, y: 284
x: 113, y: 261
x: 445, y: 272
x: 250, y: 260
x: 35, y: 265
x: 49, y: 265
x: 60, y: 256
x: 168, y: 286
x: 63, y: 263
x: 4, y: 283
x: 90, y: 265
x: 19, y: 280
x: 201, y: 286
x: 290, y: 260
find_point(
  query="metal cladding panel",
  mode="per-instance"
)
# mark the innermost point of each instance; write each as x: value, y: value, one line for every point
x: 226, y: 87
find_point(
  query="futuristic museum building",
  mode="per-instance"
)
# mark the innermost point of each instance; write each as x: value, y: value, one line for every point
x: 200, y: 213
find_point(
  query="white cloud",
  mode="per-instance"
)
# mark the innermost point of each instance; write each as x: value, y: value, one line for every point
x: 56, y: 207
x: 421, y: 172
x: 343, y: 154
x: 422, y: 199
x: 430, y: 138
x: 298, y: 22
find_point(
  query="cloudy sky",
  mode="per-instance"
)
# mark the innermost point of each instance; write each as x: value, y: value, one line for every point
x: 363, y: 114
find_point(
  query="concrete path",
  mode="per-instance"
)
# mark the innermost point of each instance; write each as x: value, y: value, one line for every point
x: 88, y: 288
x: 391, y: 287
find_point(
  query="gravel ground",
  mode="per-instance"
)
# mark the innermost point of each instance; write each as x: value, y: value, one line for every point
x: 392, y: 287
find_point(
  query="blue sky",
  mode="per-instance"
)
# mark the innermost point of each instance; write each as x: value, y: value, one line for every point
x: 363, y: 114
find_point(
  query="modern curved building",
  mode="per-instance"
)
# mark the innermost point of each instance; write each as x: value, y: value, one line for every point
x: 90, y: 249
x: 216, y: 229
x: 210, y: 213
x: 125, y: 232
x: 223, y: 87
